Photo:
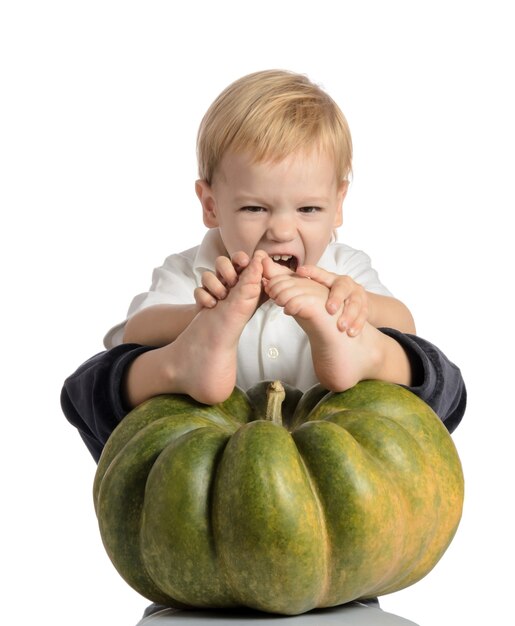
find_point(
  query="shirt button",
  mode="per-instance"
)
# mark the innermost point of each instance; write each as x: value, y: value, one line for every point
x: 273, y: 352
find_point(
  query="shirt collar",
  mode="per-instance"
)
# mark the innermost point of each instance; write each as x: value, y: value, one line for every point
x: 328, y: 259
x: 211, y: 247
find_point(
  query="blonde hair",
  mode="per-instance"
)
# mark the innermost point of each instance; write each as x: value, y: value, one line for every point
x: 271, y: 114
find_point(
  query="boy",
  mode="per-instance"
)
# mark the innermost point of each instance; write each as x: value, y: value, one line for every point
x: 266, y: 294
x: 292, y: 150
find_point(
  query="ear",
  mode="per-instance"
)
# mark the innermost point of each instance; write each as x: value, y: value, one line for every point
x: 342, y: 192
x: 207, y: 200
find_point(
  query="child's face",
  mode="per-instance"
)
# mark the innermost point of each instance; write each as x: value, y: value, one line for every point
x: 288, y: 209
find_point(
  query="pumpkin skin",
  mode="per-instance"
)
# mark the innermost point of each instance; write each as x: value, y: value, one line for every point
x: 214, y: 506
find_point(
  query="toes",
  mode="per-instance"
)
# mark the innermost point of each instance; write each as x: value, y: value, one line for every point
x: 253, y: 273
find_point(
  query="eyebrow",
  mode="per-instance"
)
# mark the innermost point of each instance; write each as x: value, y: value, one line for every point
x: 242, y: 199
x: 307, y: 201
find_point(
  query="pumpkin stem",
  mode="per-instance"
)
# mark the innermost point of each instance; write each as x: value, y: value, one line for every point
x: 275, y: 395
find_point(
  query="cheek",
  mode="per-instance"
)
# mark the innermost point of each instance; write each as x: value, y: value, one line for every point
x: 325, y: 232
x: 237, y: 237
x: 250, y: 231
x: 316, y: 241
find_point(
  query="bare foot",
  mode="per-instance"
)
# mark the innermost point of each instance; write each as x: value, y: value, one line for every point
x: 341, y: 361
x: 206, y: 352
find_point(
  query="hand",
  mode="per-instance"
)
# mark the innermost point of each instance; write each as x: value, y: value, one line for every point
x: 216, y: 285
x: 343, y: 292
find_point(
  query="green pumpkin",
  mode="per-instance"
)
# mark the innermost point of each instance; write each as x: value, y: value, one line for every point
x: 358, y: 494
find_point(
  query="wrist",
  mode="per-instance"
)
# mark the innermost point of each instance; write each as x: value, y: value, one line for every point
x: 372, y: 309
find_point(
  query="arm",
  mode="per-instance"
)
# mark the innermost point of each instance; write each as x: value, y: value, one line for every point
x: 201, y: 362
x: 341, y: 361
x: 434, y: 378
x: 160, y: 324
x: 359, y: 305
x: 385, y: 311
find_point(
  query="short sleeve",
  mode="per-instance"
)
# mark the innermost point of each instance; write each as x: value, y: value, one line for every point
x: 172, y: 283
x: 346, y: 261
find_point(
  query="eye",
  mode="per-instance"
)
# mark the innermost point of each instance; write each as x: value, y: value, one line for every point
x: 252, y: 209
x: 309, y: 209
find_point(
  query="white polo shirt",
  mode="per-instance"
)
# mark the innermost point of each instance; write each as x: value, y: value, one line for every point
x: 272, y: 345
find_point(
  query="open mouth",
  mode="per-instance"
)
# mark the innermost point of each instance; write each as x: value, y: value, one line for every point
x: 287, y: 260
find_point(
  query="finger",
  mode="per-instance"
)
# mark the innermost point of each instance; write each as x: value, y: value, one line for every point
x: 203, y: 298
x: 339, y: 293
x: 226, y: 271
x: 260, y: 255
x: 357, y: 326
x: 214, y: 286
x: 317, y: 273
x: 240, y: 261
x: 351, y: 311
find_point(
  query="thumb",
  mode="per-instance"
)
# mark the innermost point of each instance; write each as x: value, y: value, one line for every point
x: 317, y: 273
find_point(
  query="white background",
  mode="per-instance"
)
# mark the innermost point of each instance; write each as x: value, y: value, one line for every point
x: 100, y: 104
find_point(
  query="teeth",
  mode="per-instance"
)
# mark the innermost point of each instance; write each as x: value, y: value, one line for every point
x: 279, y: 257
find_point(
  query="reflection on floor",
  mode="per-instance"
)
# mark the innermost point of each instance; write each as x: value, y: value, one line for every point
x: 353, y: 614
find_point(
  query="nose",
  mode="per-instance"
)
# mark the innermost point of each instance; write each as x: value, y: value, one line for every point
x: 280, y: 228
